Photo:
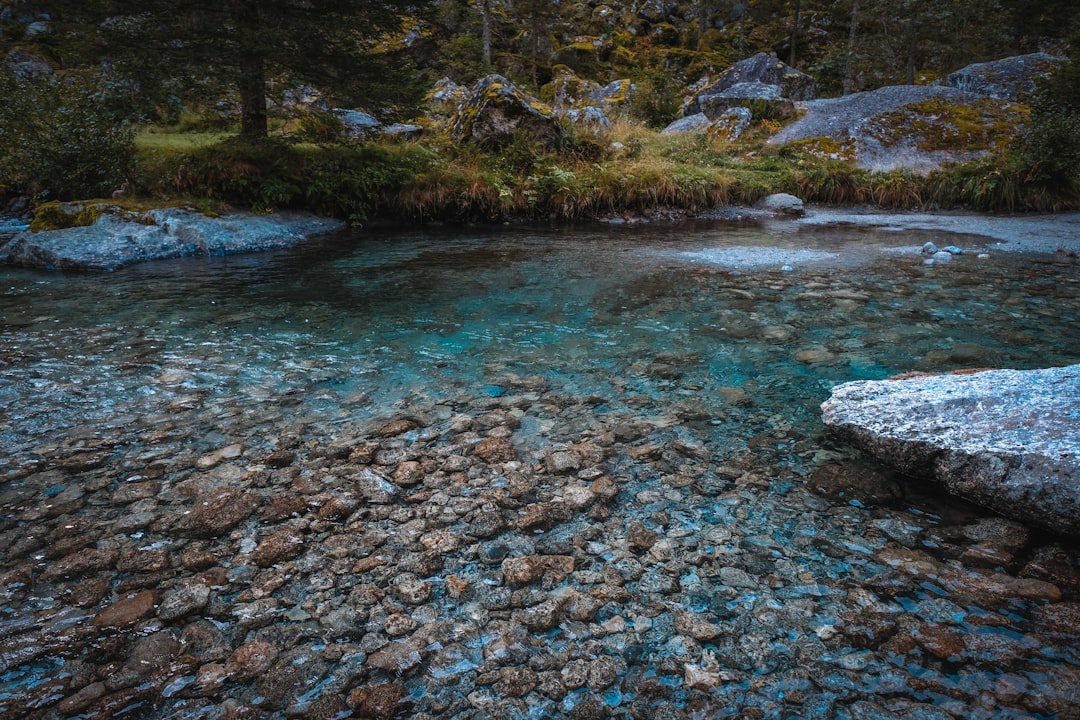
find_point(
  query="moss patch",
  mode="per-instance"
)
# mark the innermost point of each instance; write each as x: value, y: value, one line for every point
x: 63, y: 215
x: 940, y: 125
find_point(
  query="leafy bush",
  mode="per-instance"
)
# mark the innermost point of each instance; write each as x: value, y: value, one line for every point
x: 59, y: 141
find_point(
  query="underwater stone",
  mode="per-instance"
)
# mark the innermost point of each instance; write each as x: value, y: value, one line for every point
x: 1005, y: 439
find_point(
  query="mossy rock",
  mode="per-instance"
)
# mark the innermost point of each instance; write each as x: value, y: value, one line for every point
x: 63, y: 215
x: 496, y: 112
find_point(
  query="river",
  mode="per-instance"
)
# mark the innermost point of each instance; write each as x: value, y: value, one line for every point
x: 517, y: 472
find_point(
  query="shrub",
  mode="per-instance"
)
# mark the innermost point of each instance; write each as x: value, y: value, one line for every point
x: 58, y: 140
x: 349, y: 181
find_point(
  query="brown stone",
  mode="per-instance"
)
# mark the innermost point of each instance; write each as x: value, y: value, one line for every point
x: 81, y: 563
x: 379, y: 702
x: 364, y: 454
x: 494, y: 450
x: 639, y: 537
x: 216, y: 514
x: 280, y: 546
x: 696, y: 626
x: 543, y: 516
x: 868, y: 629
x: 127, y: 611
x: 1059, y: 622
x: 250, y: 660
x: 529, y: 569
x: 397, y: 427
x: 940, y: 640
x: 408, y: 473
x: 516, y: 682
x: 280, y: 459
x: 396, y: 657
x: 339, y: 506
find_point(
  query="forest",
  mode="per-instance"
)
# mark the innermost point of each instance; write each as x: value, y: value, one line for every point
x: 243, y: 102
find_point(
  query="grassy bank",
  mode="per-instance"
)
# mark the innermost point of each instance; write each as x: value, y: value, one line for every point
x: 632, y: 170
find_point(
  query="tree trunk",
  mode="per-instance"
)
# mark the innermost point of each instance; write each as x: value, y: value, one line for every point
x: 795, y: 32
x: 702, y: 21
x: 849, y: 61
x: 485, y: 12
x: 252, y: 83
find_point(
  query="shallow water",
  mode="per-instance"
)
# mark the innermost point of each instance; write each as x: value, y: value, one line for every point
x: 658, y: 389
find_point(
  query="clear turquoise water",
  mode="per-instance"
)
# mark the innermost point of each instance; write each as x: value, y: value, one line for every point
x: 396, y: 317
x: 174, y: 360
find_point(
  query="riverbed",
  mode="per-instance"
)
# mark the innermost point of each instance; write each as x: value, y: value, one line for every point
x: 519, y: 472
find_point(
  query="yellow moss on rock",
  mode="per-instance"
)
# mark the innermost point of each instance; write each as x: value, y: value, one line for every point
x: 940, y: 125
x: 63, y: 215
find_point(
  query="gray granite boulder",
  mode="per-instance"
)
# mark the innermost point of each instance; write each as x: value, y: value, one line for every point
x: 26, y: 66
x: 1011, y: 78
x: 1006, y: 439
x: 912, y: 127
x: 689, y: 124
x: 782, y: 204
x: 589, y: 118
x: 764, y: 69
x: 357, y: 125
x: 732, y: 124
x: 117, y: 239
x: 747, y: 94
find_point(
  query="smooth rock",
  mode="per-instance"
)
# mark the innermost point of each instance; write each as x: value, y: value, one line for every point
x: 782, y: 204
x: 1005, y: 439
x: 127, y: 610
x: 120, y: 238
x: 698, y: 122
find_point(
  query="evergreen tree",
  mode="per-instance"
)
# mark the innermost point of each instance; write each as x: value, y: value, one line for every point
x: 343, y: 45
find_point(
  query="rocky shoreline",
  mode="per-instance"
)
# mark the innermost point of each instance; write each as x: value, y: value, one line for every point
x: 117, y: 238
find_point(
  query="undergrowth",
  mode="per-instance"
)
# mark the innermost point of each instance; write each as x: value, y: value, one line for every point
x: 633, y: 170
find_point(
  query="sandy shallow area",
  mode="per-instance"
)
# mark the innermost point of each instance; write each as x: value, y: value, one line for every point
x: 1004, y: 233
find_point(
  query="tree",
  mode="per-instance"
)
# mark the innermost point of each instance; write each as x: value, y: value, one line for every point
x: 344, y: 45
x: 539, y: 18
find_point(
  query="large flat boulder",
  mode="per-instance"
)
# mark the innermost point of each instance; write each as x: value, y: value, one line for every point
x: 909, y: 127
x: 116, y: 238
x: 1005, y: 439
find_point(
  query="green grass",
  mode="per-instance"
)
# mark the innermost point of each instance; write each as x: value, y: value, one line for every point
x: 436, y: 179
x: 165, y: 140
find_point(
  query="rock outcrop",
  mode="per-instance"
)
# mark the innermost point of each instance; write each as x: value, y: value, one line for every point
x: 782, y: 83
x: 747, y: 94
x: 726, y: 127
x: 1011, y: 78
x: 914, y: 127
x: 357, y: 125
x: 117, y: 238
x: 1005, y: 439
x: 496, y: 110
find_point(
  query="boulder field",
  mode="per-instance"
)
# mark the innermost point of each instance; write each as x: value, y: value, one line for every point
x: 1005, y: 439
